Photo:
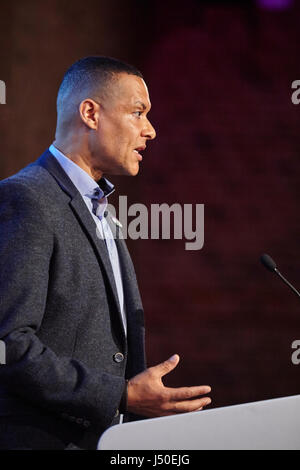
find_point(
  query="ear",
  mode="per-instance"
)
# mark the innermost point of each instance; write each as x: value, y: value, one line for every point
x: 89, y: 113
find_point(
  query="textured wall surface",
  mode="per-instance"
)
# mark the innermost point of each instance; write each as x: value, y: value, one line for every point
x: 227, y: 136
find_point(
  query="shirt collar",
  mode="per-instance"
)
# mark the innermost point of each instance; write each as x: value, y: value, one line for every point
x: 80, y: 178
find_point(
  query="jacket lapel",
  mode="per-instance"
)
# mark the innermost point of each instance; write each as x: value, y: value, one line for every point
x: 49, y: 162
x: 133, y: 300
x: 135, y: 313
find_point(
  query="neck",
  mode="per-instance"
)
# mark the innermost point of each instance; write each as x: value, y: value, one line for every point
x: 78, y: 156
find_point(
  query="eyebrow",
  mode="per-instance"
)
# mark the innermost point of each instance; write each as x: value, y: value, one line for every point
x: 142, y: 104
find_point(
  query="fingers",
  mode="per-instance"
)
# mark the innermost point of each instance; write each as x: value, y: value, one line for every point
x: 147, y: 395
x: 187, y: 406
x: 185, y: 393
x: 165, y: 367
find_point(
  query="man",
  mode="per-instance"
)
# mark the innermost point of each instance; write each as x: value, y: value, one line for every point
x: 70, y: 314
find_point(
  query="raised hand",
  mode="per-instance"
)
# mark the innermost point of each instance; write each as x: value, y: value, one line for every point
x: 147, y: 395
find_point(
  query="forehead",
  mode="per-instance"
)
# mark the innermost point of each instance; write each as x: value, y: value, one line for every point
x: 129, y: 90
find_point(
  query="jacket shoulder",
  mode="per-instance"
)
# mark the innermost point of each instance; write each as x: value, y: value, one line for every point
x: 33, y: 177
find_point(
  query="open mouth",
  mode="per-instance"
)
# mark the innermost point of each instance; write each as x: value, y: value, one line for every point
x: 138, y: 150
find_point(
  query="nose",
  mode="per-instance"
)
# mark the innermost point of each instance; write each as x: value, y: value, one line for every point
x: 149, y: 131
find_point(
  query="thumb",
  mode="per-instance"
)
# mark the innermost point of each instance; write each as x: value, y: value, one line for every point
x: 165, y: 367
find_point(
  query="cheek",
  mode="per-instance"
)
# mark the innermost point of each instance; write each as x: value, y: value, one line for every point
x: 95, y: 142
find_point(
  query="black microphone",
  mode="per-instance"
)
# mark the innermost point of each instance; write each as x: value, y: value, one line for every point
x: 271, y: 266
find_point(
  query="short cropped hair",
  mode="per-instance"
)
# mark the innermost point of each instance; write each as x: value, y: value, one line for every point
x: 88, y: 78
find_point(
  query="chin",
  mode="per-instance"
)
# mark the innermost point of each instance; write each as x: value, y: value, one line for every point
x: 135, y: 172
x: 125, y: 170
x: 132, y: 171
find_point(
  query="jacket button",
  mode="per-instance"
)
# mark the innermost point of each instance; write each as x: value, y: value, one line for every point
x: 79, y: 420
x: 86, y: 423
x: 118, y: 357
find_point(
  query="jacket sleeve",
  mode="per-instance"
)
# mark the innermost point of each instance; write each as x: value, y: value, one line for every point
x: 33, y: 371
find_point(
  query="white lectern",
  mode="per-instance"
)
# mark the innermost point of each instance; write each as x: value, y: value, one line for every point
x: 270, y: 424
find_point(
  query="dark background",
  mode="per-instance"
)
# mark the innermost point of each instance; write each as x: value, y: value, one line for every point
x: 219, y: 75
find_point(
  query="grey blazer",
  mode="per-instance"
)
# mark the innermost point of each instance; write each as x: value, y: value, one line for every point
x: 67, y: 357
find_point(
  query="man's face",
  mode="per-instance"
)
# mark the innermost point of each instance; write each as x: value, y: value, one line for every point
x: 123, y: 127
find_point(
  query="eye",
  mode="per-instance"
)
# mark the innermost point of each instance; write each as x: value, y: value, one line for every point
x: 138, y: 113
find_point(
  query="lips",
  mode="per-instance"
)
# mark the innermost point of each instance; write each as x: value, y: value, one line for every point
x: 138, y: 150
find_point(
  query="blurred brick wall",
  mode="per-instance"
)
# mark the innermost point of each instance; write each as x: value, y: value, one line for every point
x: 228, y: 137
